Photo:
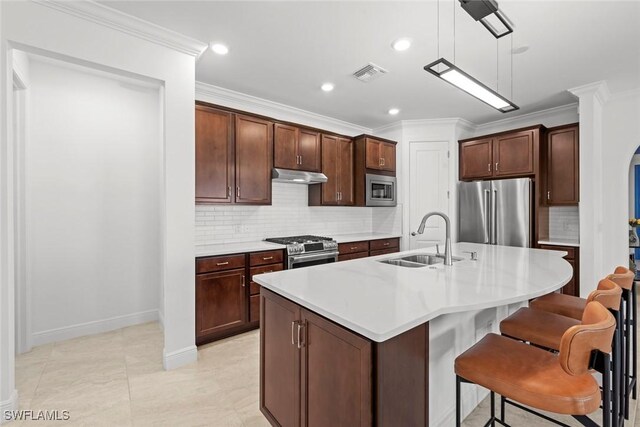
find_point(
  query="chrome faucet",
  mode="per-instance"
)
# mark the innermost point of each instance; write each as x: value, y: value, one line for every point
x: 447, y: 244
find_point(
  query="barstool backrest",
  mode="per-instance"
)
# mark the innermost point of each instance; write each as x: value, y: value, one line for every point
x: 607, y: 294
x: 623, y: 277
x: 594, y: 333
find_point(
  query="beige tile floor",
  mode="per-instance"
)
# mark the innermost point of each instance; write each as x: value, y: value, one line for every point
x: 117, y: 379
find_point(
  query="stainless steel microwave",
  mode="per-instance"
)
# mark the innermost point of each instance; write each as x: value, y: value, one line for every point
x: 381, y: 190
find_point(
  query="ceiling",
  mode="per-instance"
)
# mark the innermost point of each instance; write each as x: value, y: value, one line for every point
x: 284, y: 51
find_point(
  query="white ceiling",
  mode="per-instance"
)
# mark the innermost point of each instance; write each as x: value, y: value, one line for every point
x: 284, y: 51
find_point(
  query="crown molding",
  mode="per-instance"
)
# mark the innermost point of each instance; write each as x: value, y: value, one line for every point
x: 626, y: 93
x: 533, y: 117
x: 600, y: 90
x: 112, y: 18
x: 404, y: 124
x: 241, y: 101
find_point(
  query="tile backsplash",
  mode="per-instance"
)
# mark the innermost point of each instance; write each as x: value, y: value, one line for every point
x: 289, y: 215
x: 564, y: 223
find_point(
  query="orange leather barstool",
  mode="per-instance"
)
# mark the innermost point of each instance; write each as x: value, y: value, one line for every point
x: 527, y: 375
x: 624, y: 278
x: 545, y: 329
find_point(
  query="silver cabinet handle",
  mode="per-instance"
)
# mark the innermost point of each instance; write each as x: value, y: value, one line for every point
x: 267, y: 258
x: 222, y: 263
x: 299, y: 336
x: 238, y: 192
x: 383, y: 161
x: 243, y: 280
x: 496, y: 166
x: 548, y: 195
x: 488, y: 167
x: 386, y: 244
x: 229, y: 191
x: 293, y: 326
x: 300, y: 158
x: 353, y: 248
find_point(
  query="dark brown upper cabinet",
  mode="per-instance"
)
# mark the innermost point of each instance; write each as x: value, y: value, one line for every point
x: 503, y: 155
x: 296, y: 148
x: 214, y: 155
x: 379, y: 154
x: 562, y: 166
x: 337, y: 165
x: 234, y: 157
x: 254, y: 148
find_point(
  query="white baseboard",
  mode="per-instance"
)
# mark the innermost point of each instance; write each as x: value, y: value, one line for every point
x: 11, y: 404
x: 94, y: 327
x: 178, y: 358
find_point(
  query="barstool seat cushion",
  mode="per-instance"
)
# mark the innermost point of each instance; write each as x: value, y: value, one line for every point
x: 537, y: 327
x: 528, y: 375
x: 564, y: 305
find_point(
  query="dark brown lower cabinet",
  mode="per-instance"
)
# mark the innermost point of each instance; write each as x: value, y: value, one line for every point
x: 315, y: 373
x: 220, y: 301
x: 573, y: 258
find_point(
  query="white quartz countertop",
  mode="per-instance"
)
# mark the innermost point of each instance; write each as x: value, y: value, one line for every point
x: 357, y: 237
x: 234, y: 248
x: 380, y: 301
x: 560, y: 242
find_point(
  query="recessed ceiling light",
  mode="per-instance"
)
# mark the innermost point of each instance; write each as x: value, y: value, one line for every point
x: 327, y: 87
x: 219, y: 48
x: 393, y: 111
x: 520, y: 49
x: 401, y: 44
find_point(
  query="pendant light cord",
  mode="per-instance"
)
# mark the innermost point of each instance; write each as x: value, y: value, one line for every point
x: 454, y: 31
x: 511, y: 67
x: 438, y: 25
x: 497, y: 66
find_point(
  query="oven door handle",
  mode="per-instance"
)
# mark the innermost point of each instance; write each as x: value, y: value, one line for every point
x: 313, y: 257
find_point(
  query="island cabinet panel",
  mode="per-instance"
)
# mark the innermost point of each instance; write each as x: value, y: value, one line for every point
x: 221, y: 302
x: 476, y: 158
x: 562, y: 166
x: 340, y: 396
x: 316, y: 373
x: 280, y: 397
x: 254, y: 159
x: 214, y: 155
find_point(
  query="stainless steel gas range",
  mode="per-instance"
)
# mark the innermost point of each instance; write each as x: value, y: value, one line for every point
x: 304, y: 251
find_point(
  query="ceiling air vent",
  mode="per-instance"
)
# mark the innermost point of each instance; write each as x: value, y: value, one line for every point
x: 369, y: 72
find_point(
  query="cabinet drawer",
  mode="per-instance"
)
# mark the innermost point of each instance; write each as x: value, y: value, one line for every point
x: 266, y: 257
x: 384, y: 251
x: 254, y: 288
x: 347, y: 257
x: 353, y: 247
x: 377, y: 245
x: 571, y: 251
x: 219, y: 263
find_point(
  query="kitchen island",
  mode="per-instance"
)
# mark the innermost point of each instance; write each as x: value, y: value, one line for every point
x: 363, y: 343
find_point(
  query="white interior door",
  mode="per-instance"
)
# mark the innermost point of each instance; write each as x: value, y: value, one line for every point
x: 428, y: 191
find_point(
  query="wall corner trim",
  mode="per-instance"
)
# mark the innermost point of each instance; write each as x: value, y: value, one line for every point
x: 599, y: 89
x: 176, y: 359
x: 11, y: 404
x: 112, y: 18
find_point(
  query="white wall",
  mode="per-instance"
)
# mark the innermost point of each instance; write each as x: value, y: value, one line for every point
x: 93, y: 201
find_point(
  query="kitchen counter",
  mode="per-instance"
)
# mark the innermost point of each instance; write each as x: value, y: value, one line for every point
x: 357, y: 237
x: 381, y: 301
x: 234, y: 248
x: 560, y: 242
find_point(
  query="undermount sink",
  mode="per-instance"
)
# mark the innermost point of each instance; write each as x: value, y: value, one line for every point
x: 418, y: 260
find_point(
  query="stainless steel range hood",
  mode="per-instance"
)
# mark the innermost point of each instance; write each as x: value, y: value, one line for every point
x: 297, y: 177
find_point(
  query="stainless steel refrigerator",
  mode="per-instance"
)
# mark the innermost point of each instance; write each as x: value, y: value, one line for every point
x: 495, y: 212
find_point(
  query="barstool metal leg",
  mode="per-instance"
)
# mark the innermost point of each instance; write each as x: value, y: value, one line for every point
x: 615, y: 410
x: 502, y: 405
x: 626, y: 294
x: 457, y: 401
x: 634, y: 331
x: 493, y: 409
x: 606, y: 392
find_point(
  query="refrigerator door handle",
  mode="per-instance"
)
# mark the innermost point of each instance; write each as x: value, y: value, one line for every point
x: 494, y: 214
x: 488, y: 219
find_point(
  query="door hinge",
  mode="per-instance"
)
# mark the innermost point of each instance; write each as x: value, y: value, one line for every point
x: 448, y: 154
x: 448, y: 194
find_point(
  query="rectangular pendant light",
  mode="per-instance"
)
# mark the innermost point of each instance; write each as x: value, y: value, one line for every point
x: 487, y: 12
x: 455, y: 76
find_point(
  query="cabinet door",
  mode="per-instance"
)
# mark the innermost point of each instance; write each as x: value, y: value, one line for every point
x: 220, y: 301
x: 570, y: 288
x: 309, y: 150
x: 388, y: 154
x: 372, y: 154
x: 336, y: 375
x: 214, y: 155
x: 254, y: 151
x: 476, y: 159
x: 330, y: 169
x: 563, y: 174
x: 345, y: 171
x: 513, y: 154
x: 279, y: 360
x: 285, y: 146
